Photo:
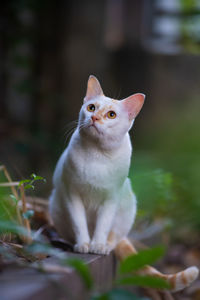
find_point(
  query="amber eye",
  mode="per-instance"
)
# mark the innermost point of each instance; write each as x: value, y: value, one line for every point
x: 91, y: 107
x: 111, y: 114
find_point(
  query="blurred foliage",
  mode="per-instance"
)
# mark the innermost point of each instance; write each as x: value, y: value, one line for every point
x: 188, y: 5
x: 81, y: 269
x: 127, y: 276
x: 139, y: 260
x: 166, y: 175
x: 190, y: 26
x: 9, y: 206
x: 144, y: 281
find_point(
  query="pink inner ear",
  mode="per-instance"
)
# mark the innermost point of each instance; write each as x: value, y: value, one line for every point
x: 133, y: 104
x: 93, y: 88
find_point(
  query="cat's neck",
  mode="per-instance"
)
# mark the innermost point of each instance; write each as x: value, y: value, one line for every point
x: 107, y: 147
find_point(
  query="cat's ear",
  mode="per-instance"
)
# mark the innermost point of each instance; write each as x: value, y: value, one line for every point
x: 93, y: 88
x: 133, y: 104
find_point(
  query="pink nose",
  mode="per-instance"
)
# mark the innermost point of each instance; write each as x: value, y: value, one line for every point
x: 94, y: 118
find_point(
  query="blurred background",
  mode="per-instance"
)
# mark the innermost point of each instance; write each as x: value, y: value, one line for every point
x: 47, y: 51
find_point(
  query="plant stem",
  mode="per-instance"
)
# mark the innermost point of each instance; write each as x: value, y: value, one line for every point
x: 24, y: 209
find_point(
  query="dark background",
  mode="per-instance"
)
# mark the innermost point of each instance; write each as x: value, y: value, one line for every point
x: 47, y: 51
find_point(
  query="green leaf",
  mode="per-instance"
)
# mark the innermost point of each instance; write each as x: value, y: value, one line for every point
x: 14, y: 198
x: 139, y: 260
x: 28, y: 183
x: 145, y: 281
x: 117, y: 294
x: 28, y: 214
x: 36, y: 177
x: 24, y: 181
x: 82, y: 269
x: 29, y: 186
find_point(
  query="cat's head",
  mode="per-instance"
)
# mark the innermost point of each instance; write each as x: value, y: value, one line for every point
x: 105, y: 119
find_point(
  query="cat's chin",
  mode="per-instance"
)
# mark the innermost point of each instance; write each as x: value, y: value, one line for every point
x: 93, y: 128
x: 92, y: 132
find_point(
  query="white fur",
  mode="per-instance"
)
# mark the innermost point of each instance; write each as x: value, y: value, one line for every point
x: 92, y: 194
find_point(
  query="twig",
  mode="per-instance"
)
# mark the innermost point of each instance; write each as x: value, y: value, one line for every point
x: 17, y: 246
x: 37, y: 200
x: 9, y: 184
x: 24, y: 209
x: 39, y: 231
x: 138, y: 245
x: 149, y: 231
x: 51, y: 268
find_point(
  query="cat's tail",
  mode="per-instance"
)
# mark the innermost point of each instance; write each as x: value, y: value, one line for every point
x: 177, y: 281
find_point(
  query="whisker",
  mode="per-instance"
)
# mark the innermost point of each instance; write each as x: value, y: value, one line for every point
x: 69, y: 134
x: 70, y: 125
x: 70, y: 129
x: 82, y: 125
x: 118, y: 94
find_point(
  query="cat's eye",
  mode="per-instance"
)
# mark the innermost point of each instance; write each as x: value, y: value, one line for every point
x: 91, y: 107
x: 111, y: 114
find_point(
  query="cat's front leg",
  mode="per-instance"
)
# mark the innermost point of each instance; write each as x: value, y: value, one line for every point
x: 104, y: 222
x: 79, y: 223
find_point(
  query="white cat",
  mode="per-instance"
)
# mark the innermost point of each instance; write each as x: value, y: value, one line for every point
x: 92, y: 203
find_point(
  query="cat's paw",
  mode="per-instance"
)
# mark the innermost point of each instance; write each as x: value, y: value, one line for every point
x: 81, y: 248
x: 99, y: 248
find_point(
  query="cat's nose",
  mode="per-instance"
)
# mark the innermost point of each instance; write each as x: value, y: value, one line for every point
x: 94, y: 118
